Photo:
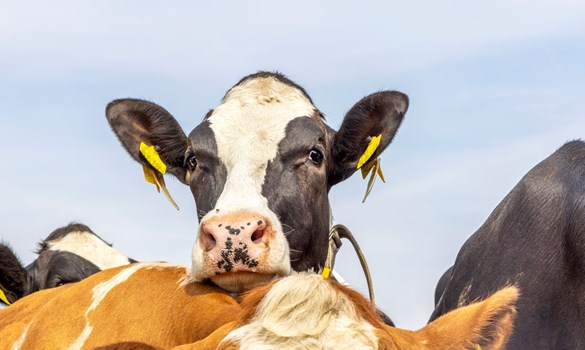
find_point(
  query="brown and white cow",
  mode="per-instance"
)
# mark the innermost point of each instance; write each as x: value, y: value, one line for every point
x: 149, y: 303
x: 153, y: 306
x: 260, y: 166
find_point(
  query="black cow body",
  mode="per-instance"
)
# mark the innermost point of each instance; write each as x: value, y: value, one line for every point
x: 69, y: 254
x: 535, y: 239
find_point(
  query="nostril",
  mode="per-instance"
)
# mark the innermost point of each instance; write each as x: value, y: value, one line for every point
x: 208, y: 241
x: 257, y: 236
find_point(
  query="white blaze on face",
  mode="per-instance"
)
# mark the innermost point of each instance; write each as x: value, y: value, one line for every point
x: 91, y: 248
x: 248, y: 127
x: 99, y: 293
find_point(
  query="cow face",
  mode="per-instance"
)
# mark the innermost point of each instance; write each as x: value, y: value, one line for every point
x: 69, y: 254
x: 260, y: 167
x: 55, y: 268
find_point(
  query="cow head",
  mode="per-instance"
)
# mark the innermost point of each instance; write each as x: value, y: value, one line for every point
x: 69, y: 254
x: 260, y: 166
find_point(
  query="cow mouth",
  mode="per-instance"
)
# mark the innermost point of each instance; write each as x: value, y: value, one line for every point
x: 241, y: 281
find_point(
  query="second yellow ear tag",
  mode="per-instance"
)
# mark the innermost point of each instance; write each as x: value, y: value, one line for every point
x: 372, y: 147
x: 375, y: 168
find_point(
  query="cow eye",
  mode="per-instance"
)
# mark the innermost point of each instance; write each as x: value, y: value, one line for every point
x: 316, y: 156
x: 192, y: 162
x: 57, y: 282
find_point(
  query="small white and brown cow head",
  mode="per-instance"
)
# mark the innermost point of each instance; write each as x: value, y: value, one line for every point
x: 260, y: 166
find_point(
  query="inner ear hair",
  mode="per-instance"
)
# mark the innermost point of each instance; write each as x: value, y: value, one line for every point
x: 137, y: 121
x: 377, y: 114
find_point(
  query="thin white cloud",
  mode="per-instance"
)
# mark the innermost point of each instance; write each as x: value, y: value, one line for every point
x: 181, y: 39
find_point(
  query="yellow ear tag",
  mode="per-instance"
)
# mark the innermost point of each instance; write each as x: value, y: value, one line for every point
x: 149, y: 176
x: 158, y: 180
x: 3, y: 297
x: 326, y: 272
x: 152, y: 157
x: 155, y: 177
x: 477, y: 347
x: 372, y: 147
x: 375, y: 168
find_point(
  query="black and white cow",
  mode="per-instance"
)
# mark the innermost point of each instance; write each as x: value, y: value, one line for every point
x: 260, y: 166
x: 534, y: 239
x: 69, y: 254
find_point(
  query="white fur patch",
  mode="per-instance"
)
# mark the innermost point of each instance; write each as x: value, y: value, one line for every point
x: 91, y: 248
x: 100, y: 291
x: 248, y: 127
x: 18, y: 343
x: 303, y: 312
x: 464, y: 296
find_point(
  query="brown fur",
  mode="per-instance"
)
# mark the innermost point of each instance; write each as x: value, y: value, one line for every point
x: 487, y: 324
x: 364, y: 308
x: 250, y: 301
x: 152, y: 310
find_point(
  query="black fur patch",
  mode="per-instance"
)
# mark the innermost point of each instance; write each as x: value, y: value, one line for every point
x: 534, y: 239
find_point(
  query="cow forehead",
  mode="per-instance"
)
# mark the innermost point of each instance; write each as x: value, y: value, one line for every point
x: 252, y: 119
x: 90, y: 247
x: 248, y: 127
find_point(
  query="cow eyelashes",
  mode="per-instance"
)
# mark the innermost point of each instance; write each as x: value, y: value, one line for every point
x: 192, y: 163
x: 316, y: 156
x: 56, y: 282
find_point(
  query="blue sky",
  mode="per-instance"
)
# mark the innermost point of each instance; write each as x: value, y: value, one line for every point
x: 494, y: 89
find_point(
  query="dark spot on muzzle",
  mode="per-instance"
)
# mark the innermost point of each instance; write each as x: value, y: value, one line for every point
x: 230, y: 256
x: 233, y: 231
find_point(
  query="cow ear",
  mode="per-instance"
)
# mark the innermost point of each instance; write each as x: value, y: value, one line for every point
x: 137, y: 122
x: 482, y: 325
x: 375, y: 117
x: 13, y: 276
